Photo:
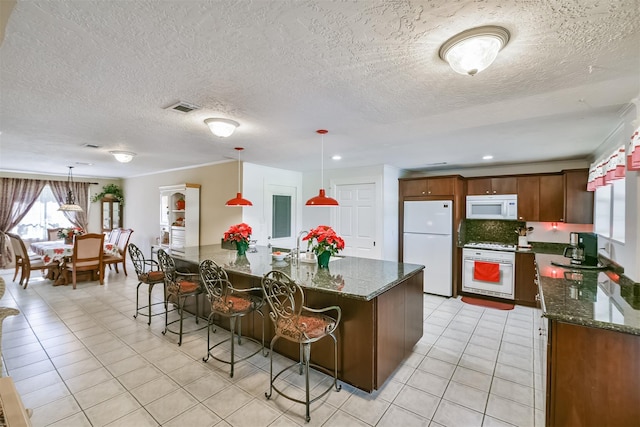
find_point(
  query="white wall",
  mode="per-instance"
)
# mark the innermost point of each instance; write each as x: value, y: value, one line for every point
x: 256, y: 180
x: 390, y: 213
x: 544, y: 231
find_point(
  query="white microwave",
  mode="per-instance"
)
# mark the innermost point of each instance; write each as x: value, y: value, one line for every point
x: 498, y: 206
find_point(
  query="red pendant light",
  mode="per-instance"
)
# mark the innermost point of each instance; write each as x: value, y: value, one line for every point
x: 238, y: 200
x: 321, y: 199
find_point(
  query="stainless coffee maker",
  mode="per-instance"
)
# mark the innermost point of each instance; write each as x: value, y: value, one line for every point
x: 575, y: 251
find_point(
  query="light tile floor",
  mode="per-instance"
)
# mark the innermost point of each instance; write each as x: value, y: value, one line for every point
x: 79, y: 358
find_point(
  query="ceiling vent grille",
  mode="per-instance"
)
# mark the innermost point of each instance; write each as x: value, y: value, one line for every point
x: 91, y: 145
x: 183, y: 107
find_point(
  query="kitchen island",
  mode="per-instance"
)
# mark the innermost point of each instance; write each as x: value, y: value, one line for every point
x: 381, y: 302
x: 590, y: 345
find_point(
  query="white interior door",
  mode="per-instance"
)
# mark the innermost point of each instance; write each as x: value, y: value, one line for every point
x: 281, y: 215
x: 356, y: 219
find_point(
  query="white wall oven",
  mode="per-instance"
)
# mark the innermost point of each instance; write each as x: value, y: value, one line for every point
x: 489, y: 272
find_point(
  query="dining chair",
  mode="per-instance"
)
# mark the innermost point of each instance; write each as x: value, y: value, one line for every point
x: 300, y: 324
x: 87, y: 256
x: 52, y: 233
x: 123, y: 241
x: 149, y: 273
x: 234, y: 304
x: 25, y: 262
x: 4, y: 313
x: 179, y: 287
x: 112, y: 236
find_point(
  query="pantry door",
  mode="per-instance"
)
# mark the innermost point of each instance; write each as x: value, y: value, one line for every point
x: 356, y: 219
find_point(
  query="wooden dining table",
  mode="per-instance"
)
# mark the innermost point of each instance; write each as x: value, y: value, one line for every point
x: 56, y: 253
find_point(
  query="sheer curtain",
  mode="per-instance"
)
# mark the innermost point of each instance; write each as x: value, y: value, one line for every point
x: 81, y: 192
x: 17, y: 196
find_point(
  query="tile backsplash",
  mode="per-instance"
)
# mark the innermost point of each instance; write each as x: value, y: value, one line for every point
x: 503, y: 231
x: 494, y: 231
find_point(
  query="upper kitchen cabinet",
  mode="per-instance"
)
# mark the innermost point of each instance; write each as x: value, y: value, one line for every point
x: 551, y: 198
x: 436, y: 186
x: 179, y: 216
x: 483, y: 186
x: 578, y: 202
x: 528, y: 197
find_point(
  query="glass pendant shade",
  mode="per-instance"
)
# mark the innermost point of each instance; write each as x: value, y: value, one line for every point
x: 474, y: 50
x: 70, y: 203
x: 321, y: 199
x: 222, y: 127
x: 238, y: 200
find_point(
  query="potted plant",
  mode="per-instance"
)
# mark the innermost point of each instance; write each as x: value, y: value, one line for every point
x: 110, y: 189
x: 324, y: 242
x: 240, y: 234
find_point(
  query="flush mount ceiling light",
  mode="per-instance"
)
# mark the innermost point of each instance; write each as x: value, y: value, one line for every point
x: 238, y: 200
x: 473, y: 50
x: 321, y: 199
x: 123, y: 156
x: 70, y: 203
x: 222, y: 127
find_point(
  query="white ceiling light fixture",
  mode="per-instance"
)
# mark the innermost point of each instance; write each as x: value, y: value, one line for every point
x: 473, y: 50
x: 70, y: 204
x: 222, y: 127
x: 123, y: 156
x: 487, y: 157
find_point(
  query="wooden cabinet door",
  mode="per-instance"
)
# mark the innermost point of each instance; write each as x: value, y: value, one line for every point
x: 526, y: 288
x: 478, y: 186
x: 551, y: 198
x: 528, y: 198
x: 440, y: 186
x: 506, y: 185
x: 414, y: 187
x: 578, y: 202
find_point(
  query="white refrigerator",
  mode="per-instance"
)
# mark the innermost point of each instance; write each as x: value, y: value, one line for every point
x: 428, y: 240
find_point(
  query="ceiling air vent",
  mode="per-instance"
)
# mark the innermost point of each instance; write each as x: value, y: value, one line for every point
x: 91, y: 145
x: 183, y: 107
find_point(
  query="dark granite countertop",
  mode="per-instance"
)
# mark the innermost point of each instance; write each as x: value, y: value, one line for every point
x: 351, y: 277
x: 598, y: 299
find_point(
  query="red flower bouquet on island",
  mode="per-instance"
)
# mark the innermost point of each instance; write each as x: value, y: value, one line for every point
x: 324, y: 242
x: 239, y: 233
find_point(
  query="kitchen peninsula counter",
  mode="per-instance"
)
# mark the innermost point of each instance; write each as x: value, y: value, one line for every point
x: 594, y: 298
x: 589, y: 345
x: 381, y: 303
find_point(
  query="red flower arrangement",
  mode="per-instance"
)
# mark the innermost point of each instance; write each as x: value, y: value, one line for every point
x: 67, y: 233
x: 238, y: 233
x: 324, y: 238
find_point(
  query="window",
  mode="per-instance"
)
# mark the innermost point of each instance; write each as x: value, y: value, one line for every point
x: 43, y: 214
x: 609, y: 218
x: 281, y: 218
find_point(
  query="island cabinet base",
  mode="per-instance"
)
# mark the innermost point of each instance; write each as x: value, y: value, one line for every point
x: 374, y: 336
x: 593, y: 377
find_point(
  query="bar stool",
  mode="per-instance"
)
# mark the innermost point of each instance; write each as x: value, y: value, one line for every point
x: 234, y: 304
x: 179, y: 287
x: 148, y: 272
x: 295, y: 322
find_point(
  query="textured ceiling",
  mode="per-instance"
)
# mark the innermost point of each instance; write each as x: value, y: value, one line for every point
x: 102, y: 72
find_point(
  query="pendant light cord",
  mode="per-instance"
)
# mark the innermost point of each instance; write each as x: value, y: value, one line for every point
x: 239, y: 171
x: 322, y: 162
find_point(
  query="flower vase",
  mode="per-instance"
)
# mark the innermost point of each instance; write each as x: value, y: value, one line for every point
x: 323, y: 259
x: 68, y: 240
x: 242, y: 247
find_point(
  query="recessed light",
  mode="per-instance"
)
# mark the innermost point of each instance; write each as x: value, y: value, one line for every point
x: 84, y: 164
x: 336, y: 157
x: 487, y: 157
